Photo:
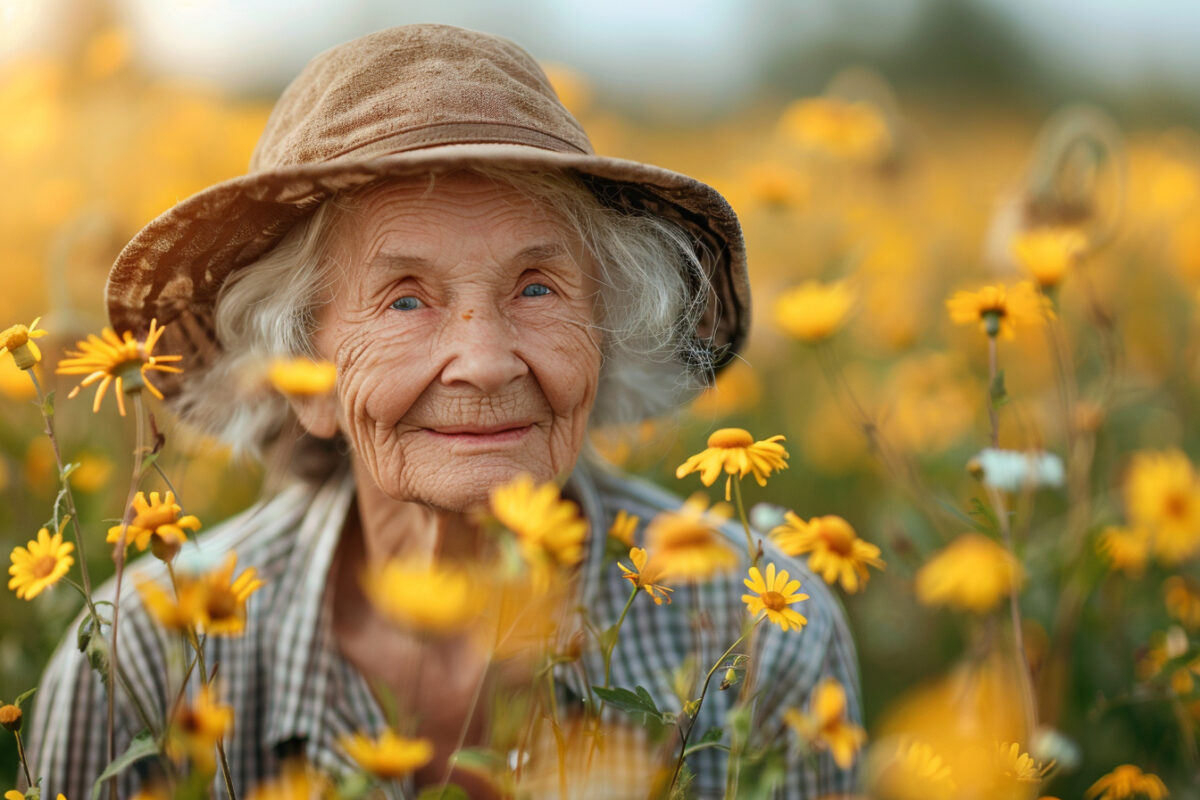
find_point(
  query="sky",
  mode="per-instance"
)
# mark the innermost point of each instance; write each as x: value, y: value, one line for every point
x: 703, y: 50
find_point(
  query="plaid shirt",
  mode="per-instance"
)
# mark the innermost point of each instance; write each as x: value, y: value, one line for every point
x: 293, y: 692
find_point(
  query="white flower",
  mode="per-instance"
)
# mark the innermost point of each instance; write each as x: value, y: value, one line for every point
x: 1012, y: 470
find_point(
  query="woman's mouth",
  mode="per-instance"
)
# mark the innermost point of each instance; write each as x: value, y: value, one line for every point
x: 486, y: 435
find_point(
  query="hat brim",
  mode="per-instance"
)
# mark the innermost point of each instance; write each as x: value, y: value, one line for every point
x: 174, y: 268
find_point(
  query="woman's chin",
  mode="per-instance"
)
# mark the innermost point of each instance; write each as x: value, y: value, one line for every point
x: 461, y: 484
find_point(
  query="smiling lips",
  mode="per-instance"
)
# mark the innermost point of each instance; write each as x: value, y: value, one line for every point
x: 481, y: 434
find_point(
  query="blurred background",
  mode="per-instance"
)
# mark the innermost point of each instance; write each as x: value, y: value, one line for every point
x: 111, y: 112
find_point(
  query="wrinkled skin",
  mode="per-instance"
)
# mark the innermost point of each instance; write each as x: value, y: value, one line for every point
x: 461, y: 323
x: 457, y: 369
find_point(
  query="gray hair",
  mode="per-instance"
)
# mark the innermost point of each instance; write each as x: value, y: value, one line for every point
x: 653, y: 292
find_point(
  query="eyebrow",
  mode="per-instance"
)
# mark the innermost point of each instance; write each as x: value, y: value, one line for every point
x: 534, y: 254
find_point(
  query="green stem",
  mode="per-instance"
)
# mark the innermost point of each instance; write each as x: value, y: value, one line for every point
x: 752, y: 551
x: 68, y: 496
x: 611, y: 644
x: 24, y: 761
x: 700, y: 703
x: 993, y: 420
x: 121, y: 676
x: 1014, y: 608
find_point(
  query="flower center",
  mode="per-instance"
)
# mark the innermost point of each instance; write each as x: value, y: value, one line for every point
x: 730, y: 438
x: 44, y: 566
x: 221, y: 604
x: 684, y: 536
x: 1176, y: 505
x: 774, y: 601
x: 837, y: 538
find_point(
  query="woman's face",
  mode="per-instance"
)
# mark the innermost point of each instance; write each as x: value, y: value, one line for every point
x: 461, y: 323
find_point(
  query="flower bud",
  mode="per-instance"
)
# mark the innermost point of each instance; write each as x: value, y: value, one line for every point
x: 24, y: 357
x: 730, y: 678
x: 10, y: 717
x: 165, y: 548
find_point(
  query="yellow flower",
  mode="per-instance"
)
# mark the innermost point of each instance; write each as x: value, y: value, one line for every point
x: 158, y: 518
x: 18, y: 341
x: 1125, y: 548
x: 773, y: 596
x: 623, y: 527
x: 214, y: 602
x: 173, y: 613
x: 224, y: 608
x: 389, y: 756
x: 735, y: 452
x: 855, y: 131
x: 1162, y: 493
x: 423, y: 597
x: 13, y: 794
x: 916, y: 772
x: 998, y: 309
x: 973, y: 574
x: 812, y: 310
x: 1047, y: 253
x: 1127, y: 780
x: 302, y: 377
x: 548, y: 527
x: 1018, y: 766
x: 41, y: 563
x: 1183, y: 600
x: 687, y: 542
x: 837, y: 553
x: 196, y: 728
x: 825, y: 725
x: 646, y: 574
x: 107, y: 358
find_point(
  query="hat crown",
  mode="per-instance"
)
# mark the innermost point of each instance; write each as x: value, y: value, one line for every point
x: 412, y: 87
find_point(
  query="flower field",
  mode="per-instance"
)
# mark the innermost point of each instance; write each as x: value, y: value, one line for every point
x: 968, y: 402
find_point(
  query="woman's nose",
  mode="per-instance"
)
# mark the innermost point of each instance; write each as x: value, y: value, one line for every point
x: 481, y: 351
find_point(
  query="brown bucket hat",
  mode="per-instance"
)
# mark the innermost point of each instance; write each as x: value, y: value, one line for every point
x: 410, y: 100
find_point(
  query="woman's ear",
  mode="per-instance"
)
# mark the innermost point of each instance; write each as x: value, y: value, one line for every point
x: 317, y: 413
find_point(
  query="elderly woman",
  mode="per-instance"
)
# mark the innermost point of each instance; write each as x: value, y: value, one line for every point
x: 423, y: 212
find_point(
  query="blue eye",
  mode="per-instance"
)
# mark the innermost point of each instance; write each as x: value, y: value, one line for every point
x: 535, y: 290
x: 406, y: 303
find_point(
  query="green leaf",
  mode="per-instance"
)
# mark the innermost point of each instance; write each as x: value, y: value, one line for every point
x: 97, y: 651
x: 48, y: 406
x: 636, y: 704
x: 148, y: 460
x: 142, y: 746
x: 997, y: 391
x: 449, y: 792
x: 21, y: 698
x: 711, y: 735
x: 85, y: 633
x: 67, y: 470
